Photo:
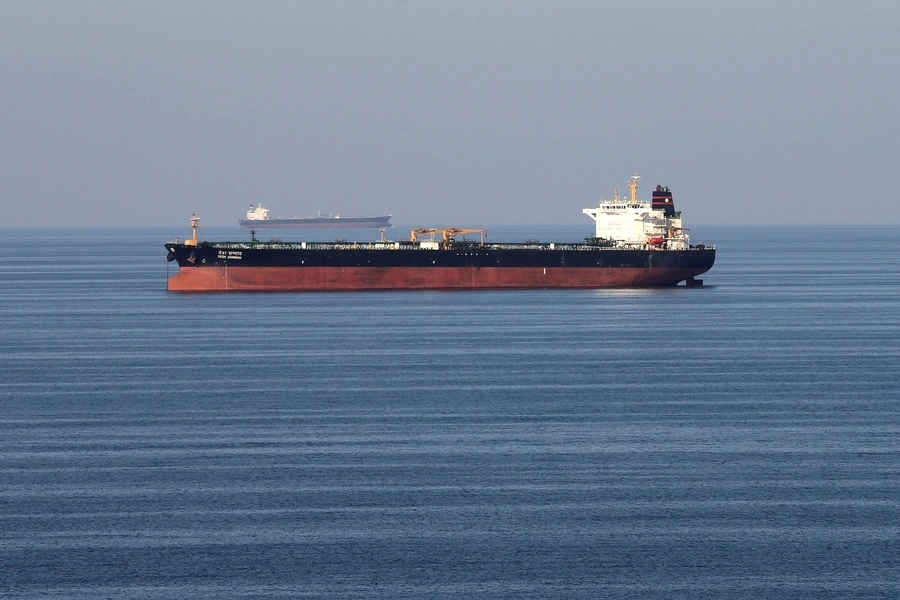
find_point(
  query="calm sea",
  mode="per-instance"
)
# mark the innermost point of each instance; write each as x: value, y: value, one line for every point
x: 739, y: 440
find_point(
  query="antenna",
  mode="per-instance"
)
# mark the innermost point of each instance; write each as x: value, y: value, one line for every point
x: 634, y: 186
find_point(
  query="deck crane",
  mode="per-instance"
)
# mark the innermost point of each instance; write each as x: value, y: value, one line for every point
x: 447, y: 234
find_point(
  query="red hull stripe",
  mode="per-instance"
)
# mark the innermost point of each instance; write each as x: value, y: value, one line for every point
x: 290, y: 279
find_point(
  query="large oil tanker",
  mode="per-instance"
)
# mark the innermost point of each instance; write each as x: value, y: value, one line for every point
x: 258, y: 218
x: 636, y: 244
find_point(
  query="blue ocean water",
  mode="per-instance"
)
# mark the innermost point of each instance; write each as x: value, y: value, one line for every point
x: 737, y: 440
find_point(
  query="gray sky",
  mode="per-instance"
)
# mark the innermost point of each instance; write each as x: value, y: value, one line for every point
x: 459, y: 113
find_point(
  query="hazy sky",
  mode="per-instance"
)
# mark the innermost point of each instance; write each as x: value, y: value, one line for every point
x: 450, y: 113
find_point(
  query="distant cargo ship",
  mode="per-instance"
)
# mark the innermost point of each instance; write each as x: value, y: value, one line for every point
x: 258, y: 218
x: 637, y: 243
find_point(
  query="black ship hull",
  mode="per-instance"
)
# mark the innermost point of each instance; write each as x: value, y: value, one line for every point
x: 378, y: 266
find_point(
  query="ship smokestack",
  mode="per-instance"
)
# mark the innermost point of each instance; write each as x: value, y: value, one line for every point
x: 662, y: 200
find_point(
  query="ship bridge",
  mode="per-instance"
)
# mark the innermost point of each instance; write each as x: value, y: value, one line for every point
x: 635, y: 222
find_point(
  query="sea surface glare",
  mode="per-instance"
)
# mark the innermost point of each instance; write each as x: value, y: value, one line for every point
x: 740, y: 440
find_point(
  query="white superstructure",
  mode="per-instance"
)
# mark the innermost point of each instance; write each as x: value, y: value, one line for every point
x: 638, y: 223
x: 258, y: 214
